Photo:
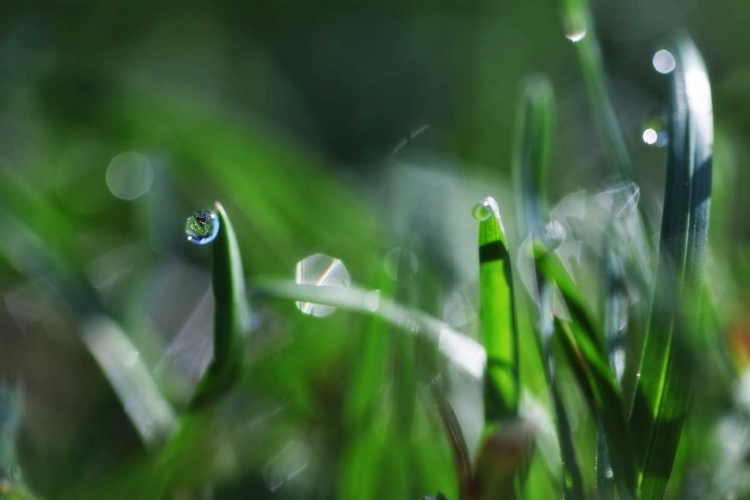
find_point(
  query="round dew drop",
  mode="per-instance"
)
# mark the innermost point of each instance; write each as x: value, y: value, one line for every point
x: 481, y: 211
x: 202, y: 227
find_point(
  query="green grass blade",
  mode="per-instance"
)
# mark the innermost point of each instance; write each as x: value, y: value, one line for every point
x: 459, y: 449
x: 535, y: 124
x: 230, y: 315
x: 498, y: 318
x: 579, y: 28
x: 462, y: 351
x: 663, y: 390
x: 531, y: 159
x: 614, y: 309
x: 585, y: 351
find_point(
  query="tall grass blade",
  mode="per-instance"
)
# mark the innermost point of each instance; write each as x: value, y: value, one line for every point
x: 531, y: 159
x: 663, y: 389
x: 583, y: 345
x: 230, y: 315
x: 579, y: 28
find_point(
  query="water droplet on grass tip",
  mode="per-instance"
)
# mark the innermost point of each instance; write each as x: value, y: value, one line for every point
x: 484, y: 210
x: 575, y: 26
x: 202, y: 227
x: 320, y: 270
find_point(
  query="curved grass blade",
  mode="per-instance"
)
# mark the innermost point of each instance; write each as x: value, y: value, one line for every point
x: 579, y: 28
x: 229, y: 317
x: 663, y: 389
x: 462, y: 351
x: 531, y: 158
x: 39, y: 249
x: 498, y: 318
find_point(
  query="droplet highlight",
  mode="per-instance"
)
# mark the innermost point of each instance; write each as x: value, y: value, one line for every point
x: 320, y: 270
x: 575, y: 26
x: 664, y: 62
x: 202, y: 227
x: 485, y: 209
x: 655, y: 130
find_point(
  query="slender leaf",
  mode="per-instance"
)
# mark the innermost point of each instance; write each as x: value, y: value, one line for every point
x: 579, y: 28
x: 531, y: 158
x: 498, y: 316
x: 230, y: 315
x: 663, y: 389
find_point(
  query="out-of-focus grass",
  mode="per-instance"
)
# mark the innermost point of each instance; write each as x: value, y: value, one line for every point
x: 326, y: 407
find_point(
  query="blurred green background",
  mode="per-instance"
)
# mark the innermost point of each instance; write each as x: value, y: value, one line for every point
x: 118, y: 120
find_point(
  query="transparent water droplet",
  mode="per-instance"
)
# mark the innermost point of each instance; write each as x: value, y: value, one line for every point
x: 575, y: 26
x: 664, y: 62
x: 320, y: 270
x: 202, y: 227
x: 655, y: 129
x: 548, y: 239
x: 393, y: 261
x: 485, y: 209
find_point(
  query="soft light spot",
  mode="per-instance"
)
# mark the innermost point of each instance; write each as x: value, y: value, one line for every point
x: 663, y: 62
x: 129, y: 175
x: 650, y: 136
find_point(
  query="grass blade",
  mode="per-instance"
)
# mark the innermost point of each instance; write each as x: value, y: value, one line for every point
x: 229, y: 317
x: 533, y: 148
x: 531, y: 158
x: 585, y: 351
x: 663, y: 390
x: 498, y: 318
x: 579, y: 28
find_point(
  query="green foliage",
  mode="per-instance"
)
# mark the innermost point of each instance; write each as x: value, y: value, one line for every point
x: 392, y: 395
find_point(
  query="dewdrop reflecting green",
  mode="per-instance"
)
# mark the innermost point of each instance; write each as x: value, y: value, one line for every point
x: 482, y: 210
x: 202, y: 227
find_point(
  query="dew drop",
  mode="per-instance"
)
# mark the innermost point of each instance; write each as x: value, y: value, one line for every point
x: 202, y: 227
x: 575, y: 26
x: 548, y: 239
x: 484, y: 209
x: 320, y: 270
x: 655, y: 129
x: 664, y: 62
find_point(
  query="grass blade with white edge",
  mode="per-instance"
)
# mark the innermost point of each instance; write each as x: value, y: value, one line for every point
x: 230, y: 315
x: 498, y: 318
x: 663, y: 389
